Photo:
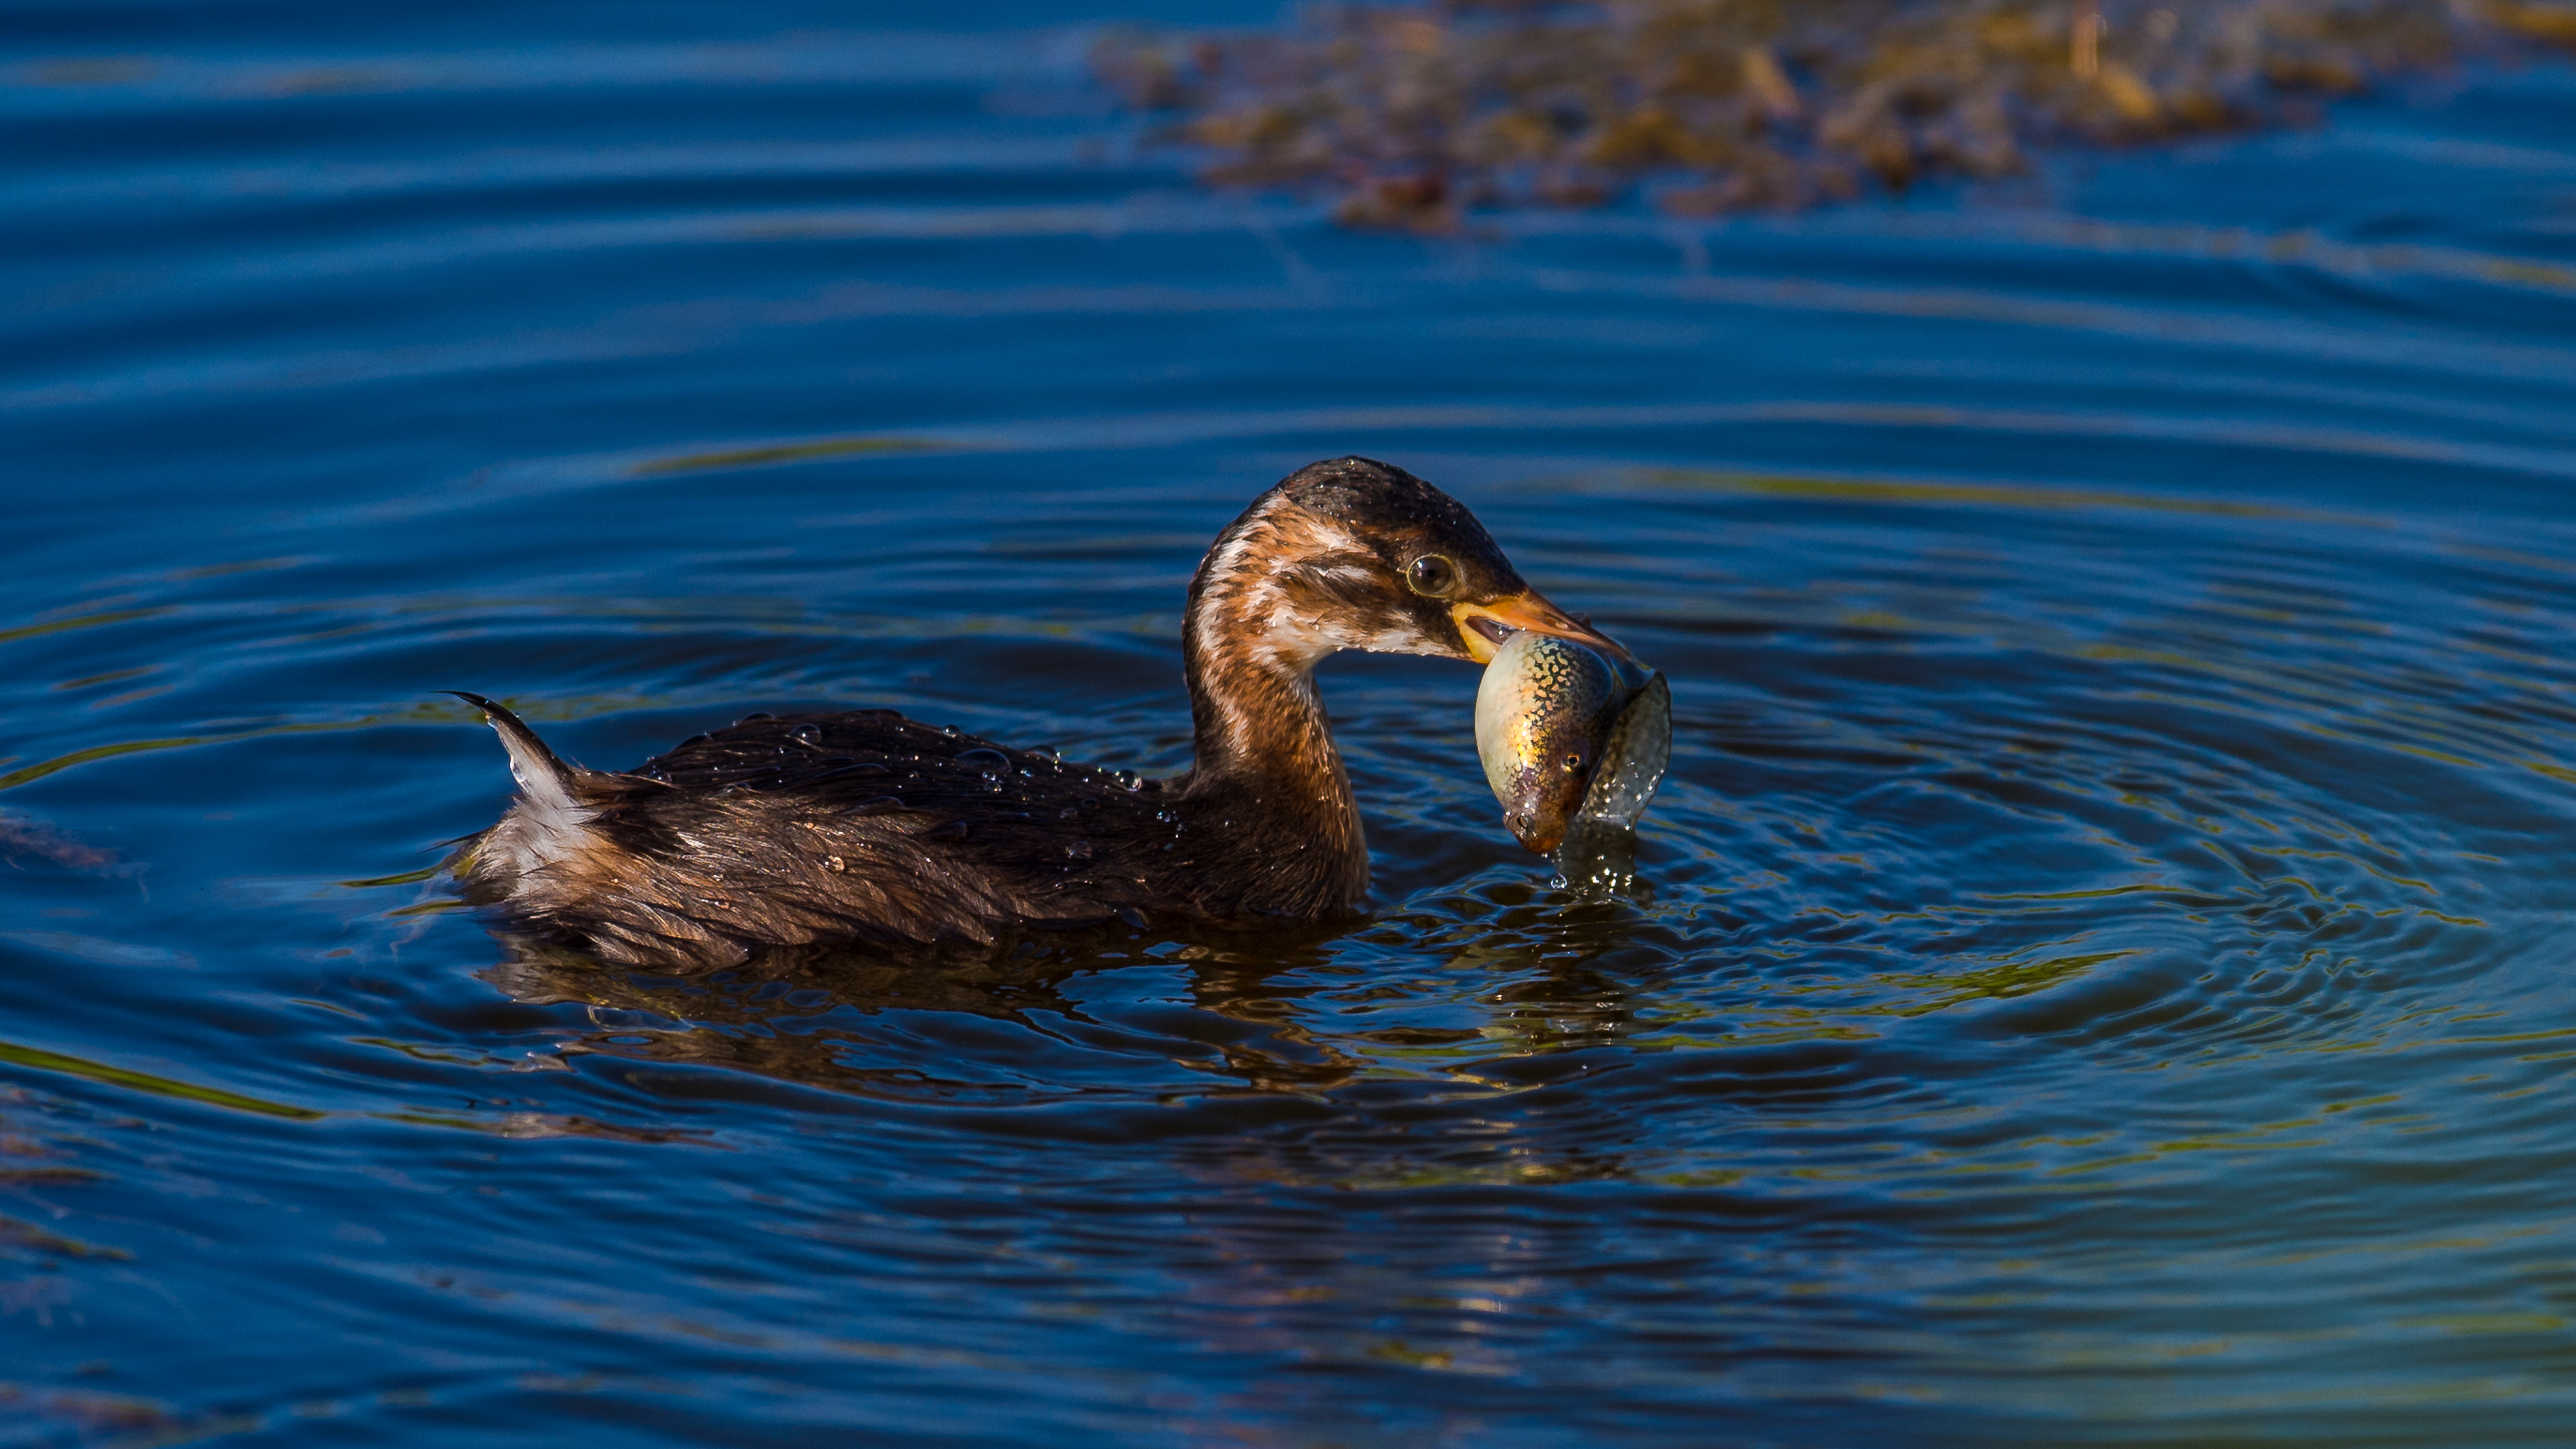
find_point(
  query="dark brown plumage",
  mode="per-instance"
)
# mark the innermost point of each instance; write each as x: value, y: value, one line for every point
x: 867, y: 827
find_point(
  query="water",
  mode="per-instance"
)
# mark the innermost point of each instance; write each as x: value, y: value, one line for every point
x: 2104, y: 977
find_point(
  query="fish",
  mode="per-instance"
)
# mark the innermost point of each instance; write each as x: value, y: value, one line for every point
x: 1569, y: 736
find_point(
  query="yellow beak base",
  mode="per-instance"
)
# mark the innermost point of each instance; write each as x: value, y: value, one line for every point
x: 1485, y: 626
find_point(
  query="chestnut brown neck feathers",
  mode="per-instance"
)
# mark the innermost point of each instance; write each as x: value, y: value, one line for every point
x: 1272, y: 599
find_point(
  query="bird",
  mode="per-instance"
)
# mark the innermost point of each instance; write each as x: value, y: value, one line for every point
x: 865, y: 828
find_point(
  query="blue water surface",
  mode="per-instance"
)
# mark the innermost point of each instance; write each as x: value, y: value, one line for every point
x: 2103, y: 974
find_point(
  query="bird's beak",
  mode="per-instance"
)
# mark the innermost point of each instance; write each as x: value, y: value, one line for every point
x: 1485, y: 626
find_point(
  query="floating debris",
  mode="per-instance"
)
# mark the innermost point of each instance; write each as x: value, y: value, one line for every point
x: 1415, y: 115
x: 24, y: 840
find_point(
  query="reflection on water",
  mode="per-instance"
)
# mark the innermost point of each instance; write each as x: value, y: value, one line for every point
x: 1258, y: 1019
x: 2093, y: 973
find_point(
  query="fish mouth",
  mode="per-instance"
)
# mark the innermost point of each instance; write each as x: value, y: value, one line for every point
x: 1544, y: 801
x: 1485, y: 626
x: 1539, y: 835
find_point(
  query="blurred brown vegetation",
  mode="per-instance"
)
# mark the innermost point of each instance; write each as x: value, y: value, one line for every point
x: 1413, y: 114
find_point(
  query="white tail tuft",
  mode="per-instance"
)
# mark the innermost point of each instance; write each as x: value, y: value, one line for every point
x: 549, y: 821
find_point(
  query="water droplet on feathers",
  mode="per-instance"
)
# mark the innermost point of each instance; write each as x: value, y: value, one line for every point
x: 806, y: 734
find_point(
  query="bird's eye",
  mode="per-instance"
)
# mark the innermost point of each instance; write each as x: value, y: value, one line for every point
x: 1433, y: 575
x: 1574, y: 762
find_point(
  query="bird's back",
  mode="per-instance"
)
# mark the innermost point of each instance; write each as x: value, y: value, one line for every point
x: 805, y: 828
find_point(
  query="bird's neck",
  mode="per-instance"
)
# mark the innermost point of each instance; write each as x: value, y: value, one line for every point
x: 1265, y: 752
x: 1260, y: 723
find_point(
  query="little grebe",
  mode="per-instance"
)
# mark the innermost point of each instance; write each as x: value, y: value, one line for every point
x: 868, y: 827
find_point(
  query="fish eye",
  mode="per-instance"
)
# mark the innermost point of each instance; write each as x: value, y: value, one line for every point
x: 1431, y: 574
